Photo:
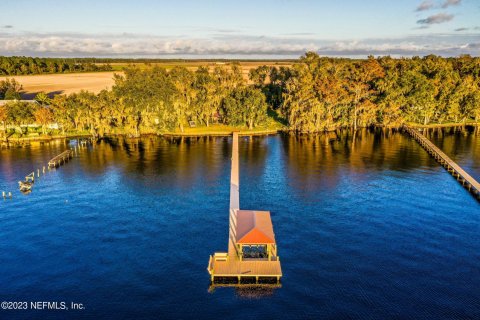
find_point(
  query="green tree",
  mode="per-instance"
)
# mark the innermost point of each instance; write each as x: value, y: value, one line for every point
x: 184, y: 95
x: 421, y: 99
x: 64, y: 112
x: 209, y: 96
x: 44, y: 116
x: 259, y: 75
x: 361, y: 77
x: 4, y: 117
x: 20, y: 113
x: 10, y: 89
x: 43, y: 99
x: 246, y: 106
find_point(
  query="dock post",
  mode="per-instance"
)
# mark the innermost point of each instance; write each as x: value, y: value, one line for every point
x: 43, y: 169
x: 10, y: 195
x: 3, y: 194
x: 38, y: 173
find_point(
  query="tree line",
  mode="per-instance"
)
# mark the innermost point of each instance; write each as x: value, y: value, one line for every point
x: 28, y: 65
x: 149, y: 101
x: 315, y: 94
x: 319, y: 94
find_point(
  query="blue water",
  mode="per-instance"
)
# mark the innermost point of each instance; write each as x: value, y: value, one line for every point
x: 368, y: 227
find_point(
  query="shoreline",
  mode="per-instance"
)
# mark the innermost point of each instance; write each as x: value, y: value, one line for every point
x: 221, y: 133
x: 443, y: 125
x: 224, y: 133
x: 44, y: 138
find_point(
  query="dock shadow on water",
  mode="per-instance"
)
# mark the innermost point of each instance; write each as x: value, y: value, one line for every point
x: 367, y: 227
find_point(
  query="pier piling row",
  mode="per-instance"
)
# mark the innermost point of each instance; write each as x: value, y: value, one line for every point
x: 467, y: 181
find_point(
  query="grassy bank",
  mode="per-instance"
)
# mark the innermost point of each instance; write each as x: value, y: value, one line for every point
x: 273, y: 127
x: 26, y: 138
x: 221, y: 130
x: 442, y: 125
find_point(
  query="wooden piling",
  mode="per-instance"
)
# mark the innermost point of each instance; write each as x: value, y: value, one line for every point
x: 30, y: 177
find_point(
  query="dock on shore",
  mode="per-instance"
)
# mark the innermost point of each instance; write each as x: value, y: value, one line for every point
x: 467, y: 181
x: 252, y: 250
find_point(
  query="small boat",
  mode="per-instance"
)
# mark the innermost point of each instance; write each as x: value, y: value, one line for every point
x: 25, y: 185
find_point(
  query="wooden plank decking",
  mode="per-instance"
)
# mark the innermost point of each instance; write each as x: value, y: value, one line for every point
x: 252, y: 268
x: 61, y: 158
x: 452, y: 167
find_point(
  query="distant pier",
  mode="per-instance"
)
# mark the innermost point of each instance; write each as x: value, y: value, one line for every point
x: 252, y: 250
x: 467, y: 181
x: 60, y: 159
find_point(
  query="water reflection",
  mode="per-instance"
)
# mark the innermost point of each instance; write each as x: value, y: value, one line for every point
x: 462, y: 144
x: 361, y: 220
x: 326, y: 159
x: 313, y: 160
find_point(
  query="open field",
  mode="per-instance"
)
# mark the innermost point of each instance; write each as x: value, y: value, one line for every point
x: 96, y: 81
x: 63, y: 83
x: 193, y: 65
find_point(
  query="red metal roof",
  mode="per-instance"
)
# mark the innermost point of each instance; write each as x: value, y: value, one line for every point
x: 254, y: 227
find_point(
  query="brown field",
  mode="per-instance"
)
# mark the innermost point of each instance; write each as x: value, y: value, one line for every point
x: 63, y: 83
x: 96, y: 81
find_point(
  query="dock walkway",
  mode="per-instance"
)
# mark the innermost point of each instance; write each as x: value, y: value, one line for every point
x: 231, y: 266
x: 61, y: 158
x: 453, y: 168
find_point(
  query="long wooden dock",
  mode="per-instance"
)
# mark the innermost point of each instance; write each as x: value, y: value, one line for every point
x: 232, y: 266
x: 453, y: 168
x: 61, y: 158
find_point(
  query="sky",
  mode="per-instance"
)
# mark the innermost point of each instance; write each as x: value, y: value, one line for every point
x: 238, y: 29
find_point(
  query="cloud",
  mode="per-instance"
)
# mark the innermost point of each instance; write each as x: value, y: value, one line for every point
x: 227, y: 30
x: 436, y: 18
x: 300, y: 34
x: 461, y: 29
x: 8, y: 26
x: 473, y: 45
x: 229, y: 45
x: 425, y: 5
x: 449, y: 3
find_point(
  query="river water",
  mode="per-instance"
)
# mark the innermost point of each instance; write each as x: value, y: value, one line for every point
x: 368, y: 226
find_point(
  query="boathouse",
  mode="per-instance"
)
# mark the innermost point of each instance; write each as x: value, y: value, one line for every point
x: 255, y: 237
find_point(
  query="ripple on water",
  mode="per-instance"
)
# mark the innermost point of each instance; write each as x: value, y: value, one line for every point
x: 370, y: 230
